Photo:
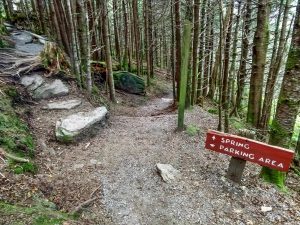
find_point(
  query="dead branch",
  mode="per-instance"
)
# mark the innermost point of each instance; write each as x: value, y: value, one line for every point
x: 84, y: 204
x: 92, y: 194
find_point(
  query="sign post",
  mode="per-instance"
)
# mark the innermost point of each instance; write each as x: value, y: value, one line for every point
x: 237, y: 165
x: 244, y: 149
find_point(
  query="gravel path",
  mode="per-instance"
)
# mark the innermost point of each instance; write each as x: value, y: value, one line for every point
x: 118, y: 166
x: 122, y: 158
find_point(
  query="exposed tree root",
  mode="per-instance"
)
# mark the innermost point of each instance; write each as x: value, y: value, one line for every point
x: 13, y: 157
x: 16, y: 64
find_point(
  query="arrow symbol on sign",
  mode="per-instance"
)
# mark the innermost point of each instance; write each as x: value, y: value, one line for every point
x: 213, y: 137
x: 212, y: 145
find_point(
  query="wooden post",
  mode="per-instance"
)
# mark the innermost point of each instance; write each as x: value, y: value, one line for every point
x: 183, y: 71
x: 237, y: 165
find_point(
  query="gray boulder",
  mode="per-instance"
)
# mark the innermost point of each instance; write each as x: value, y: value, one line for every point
x: 69, y: 104
x: 21, y: 37
x: 32, y: 82
x: 167, y: 172
x: 55, y: 89
x: 73, y: 127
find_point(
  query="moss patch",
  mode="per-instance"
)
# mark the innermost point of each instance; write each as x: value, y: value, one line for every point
x: 274, y: 176
x: 15, y: 136
x: 35, y: 215
x: 192, y: 130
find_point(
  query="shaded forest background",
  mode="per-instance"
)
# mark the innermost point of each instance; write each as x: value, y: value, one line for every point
x: 241, y: 56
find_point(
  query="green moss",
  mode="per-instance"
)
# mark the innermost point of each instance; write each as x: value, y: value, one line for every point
x: 213, y: 111
x: 192, y: 130
x: 21, y: 168
x: 274, y: 176
x: 15, y: 136
x: 35, y: 215
x: 293, y: 58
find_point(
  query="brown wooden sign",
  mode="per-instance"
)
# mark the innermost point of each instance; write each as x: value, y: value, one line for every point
x: 254, y: 151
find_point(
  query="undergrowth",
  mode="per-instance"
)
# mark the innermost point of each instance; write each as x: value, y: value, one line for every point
x: 15, y: 136
x: 38, y: 214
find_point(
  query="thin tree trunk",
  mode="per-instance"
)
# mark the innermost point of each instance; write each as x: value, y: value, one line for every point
x: 274, y: 71
x: 195, y: 51
x: 232, y: 72
x: 242, y: 72
x: 177, y: 45
x: 208, y: 51
x: 258, y: 63
x: 226, y: 90
x: 201, y: 54
x: 116, y: 31
x: 107, y: 51
x: 136, y: 35
x: 127, y: 54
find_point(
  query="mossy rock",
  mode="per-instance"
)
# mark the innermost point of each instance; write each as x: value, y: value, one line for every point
x: 129, y: 82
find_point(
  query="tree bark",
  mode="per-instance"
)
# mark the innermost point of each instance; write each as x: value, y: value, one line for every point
x: 242, y: 73
x: 107, y: 52
x: 177, y: 45
x: 195, y: 51
x: 274, y: 71
x: 288, y: 104
x: 260, y: 43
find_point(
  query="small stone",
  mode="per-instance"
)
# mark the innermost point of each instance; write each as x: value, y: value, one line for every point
x: 237, y: 211
x: 69, y: 104
x: 249, y: 222
x: 266, y: 209
x: 93, y: 161
x: 167, y: 172
x: 78, y: 166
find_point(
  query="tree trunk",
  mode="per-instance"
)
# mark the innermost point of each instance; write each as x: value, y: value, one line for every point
x: 177, y: 45
x: 225, y: 94
x: 184, y: 72
x: 288, y: 104
x: 208, y: 51
x: 127, y: 54
x: 146, y: 41
x: 232, y: 71
x: 136, y: 35
x: 201, y: 55
x: 242, y: 73
x: 260, y: 43
x: 107, y: 51
x: 274, y: 71
x: 116, y: 32
x: 195, y: 51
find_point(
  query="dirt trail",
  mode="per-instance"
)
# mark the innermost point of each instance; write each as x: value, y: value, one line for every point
x: 122, y: 158
x: 118, y: 166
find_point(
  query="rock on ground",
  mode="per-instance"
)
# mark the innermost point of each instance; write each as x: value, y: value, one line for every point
x: 167, y: 172
x: 69, y: 104
x: 129, y: 82
x: 32, y: 82
x: 70, y: 128
x: 56, y: 88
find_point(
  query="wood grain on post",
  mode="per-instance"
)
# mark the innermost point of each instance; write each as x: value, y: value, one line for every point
x: 237, y: 165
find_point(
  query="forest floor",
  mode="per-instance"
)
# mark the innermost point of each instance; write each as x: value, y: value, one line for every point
x: 118, y: 168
